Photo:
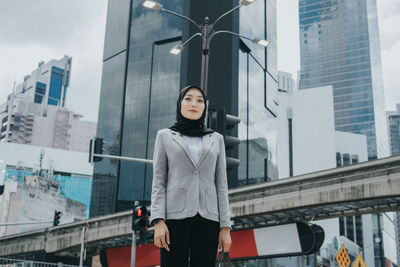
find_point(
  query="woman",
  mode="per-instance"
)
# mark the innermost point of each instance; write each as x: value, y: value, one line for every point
x: 189, y: 199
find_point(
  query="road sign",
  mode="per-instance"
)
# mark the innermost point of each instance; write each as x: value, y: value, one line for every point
x: 342, y: 257
x: 359, y: 262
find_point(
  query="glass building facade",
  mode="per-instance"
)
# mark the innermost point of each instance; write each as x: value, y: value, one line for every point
x: 258, y: 88
x: 394, y: 130
x: 56, y: 96
x: 339, y: 46
x: 141, y: 81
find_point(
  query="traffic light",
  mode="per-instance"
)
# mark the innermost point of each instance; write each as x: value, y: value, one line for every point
x: 96, y: 147
x: 57, y: 217
x: 140, y: 218
x: 319, y: 237
x: 225, y: 124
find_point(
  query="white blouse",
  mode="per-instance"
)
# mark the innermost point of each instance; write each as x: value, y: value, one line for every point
x: 194, y: 144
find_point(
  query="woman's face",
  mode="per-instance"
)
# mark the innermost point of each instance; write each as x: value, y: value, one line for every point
x: 192, y: 105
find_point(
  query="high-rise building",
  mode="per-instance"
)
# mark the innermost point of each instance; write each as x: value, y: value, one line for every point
x: 141, y: 81
x: 339, y: 46
x: 35, y: 111
x: 394, y: 130
x: 46, y: 85
x: 393, y: 118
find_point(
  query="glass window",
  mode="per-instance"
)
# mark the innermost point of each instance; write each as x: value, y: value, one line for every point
x: 152, y: 85
x: 354, y: 159
x: 338, y: 159
x: 108, y: 127
x: 346, y: 159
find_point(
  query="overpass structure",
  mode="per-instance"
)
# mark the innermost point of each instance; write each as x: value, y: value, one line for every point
x: 369, y: 187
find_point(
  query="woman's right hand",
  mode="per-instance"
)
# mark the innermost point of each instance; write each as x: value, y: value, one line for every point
x: 161, y: 235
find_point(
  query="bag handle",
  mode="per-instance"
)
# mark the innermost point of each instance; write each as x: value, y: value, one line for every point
x: 223, y: 259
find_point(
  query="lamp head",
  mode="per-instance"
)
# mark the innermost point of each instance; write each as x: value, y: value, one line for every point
x: 261, y: 42
x: 152, y: 5
x: 247, y: 2
x: 176, y: 50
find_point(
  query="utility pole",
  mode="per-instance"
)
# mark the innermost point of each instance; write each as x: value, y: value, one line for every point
x: 82, y: 246
x: 381, y: 256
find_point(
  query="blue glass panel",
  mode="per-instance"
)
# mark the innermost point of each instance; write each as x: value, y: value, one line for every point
x: 56, y: 80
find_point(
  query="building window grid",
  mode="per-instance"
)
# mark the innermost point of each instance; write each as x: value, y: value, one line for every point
x: 336, y: 69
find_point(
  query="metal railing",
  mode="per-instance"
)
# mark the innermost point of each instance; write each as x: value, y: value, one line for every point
x: 7, y: 262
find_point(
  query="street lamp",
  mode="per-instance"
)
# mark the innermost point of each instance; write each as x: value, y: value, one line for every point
x: 206, y: 33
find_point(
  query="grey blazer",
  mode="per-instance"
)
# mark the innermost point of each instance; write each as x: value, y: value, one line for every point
x: 181, y: 188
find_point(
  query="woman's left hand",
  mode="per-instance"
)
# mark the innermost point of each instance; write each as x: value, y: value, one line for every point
x: 224, y: 239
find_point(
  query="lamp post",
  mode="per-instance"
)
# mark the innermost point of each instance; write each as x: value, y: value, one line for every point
x: 206, y: 33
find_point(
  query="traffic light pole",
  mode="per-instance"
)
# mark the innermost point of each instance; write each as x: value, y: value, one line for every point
x: 133, y: 249
x: 82, y: 246
x: 123, y: 158
x: 21, y: 223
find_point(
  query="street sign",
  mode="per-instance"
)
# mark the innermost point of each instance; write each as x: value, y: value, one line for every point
x: 342, y: 257
x: 359, y: 262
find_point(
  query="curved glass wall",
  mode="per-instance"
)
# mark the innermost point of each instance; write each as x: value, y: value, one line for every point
x: 152, y: 86
x: 258, y: 89
x: 105, y: 173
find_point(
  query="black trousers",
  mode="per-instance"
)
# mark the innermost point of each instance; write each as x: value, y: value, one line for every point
x: 193, y: 240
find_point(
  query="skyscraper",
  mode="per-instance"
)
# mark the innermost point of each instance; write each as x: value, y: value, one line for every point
x: 141, y: 81
x: 35, y: 111
x: 394, y: 130
x: 339, y: 46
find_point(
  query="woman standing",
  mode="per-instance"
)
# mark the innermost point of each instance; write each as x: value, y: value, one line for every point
x: 189, y: 200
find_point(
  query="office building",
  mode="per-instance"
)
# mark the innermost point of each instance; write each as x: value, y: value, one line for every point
x: 141, y: 81
x: 339, y: 46
x: 46, y: 85
x: 393, y: 118
x: 35, y: 111
x: 394, y: 130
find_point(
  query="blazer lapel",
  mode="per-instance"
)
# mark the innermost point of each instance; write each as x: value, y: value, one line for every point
x: 207, y: 142
x: 178, y: 138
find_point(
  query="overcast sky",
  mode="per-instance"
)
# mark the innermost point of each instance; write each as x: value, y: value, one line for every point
x: 32, y: 31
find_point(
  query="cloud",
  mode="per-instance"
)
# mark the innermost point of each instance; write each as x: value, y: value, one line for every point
x: 389, y: 18
x: 390, y: 69
x: 389, y: 8
x: 25, y: 22
x: 32, y: 31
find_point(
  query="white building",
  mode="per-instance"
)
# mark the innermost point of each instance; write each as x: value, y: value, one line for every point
x: 70, y: 169
x: 308, y: 142
x: 35, y: 200
x: 46, y: 85
x: 285, y: 82
x: 393, y: 118
x: 35, y: 114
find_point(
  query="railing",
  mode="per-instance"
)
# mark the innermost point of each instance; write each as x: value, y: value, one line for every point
x: 6, y: 262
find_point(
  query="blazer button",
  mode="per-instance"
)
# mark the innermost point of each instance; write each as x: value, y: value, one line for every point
x: 195, y: 172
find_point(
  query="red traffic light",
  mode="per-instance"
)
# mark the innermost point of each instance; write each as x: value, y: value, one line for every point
x: 140, y: 218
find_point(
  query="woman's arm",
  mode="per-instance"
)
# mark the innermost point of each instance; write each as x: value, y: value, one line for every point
x: 221, y: 184
x: 160, y: 166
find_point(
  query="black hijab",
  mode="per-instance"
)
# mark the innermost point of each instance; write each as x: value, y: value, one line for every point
x: 186, y: 126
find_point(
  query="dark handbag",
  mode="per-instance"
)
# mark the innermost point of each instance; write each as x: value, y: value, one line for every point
x: 223, y: 259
